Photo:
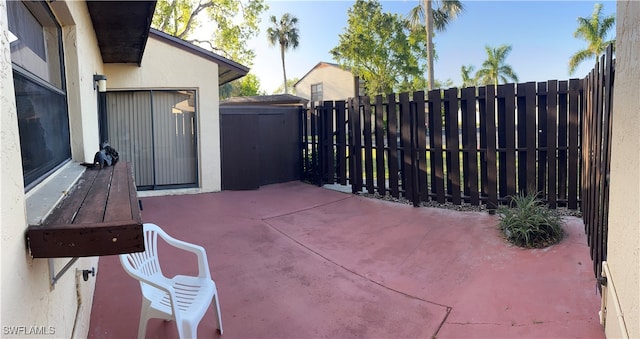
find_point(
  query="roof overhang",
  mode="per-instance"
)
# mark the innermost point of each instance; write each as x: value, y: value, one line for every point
x: 266, y: 100
x: 122, y: 28
x: 228, y: 70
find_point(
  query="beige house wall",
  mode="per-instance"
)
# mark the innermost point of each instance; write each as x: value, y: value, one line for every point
x: 30, y: 304
x: 167, y: 67
x: 623, y: 244
x: 337, y: 84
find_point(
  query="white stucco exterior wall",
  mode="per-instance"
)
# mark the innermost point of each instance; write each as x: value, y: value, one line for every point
x: 168, y: 67
x: 30, y: 305
x: 337, y: 84
x: 82, y: 61
x: 623, y: 244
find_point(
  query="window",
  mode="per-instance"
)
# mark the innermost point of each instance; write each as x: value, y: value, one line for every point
x: 316, y: 92
x: 36, y: 56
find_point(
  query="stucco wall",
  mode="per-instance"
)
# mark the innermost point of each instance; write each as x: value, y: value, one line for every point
x: 337, y: 84
x: 29, y: 303
x: 167, y: 67
x: 623, y: 245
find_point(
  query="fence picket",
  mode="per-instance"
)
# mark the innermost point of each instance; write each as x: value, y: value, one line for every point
x: 329, y: 158
x: 552, y: 132
x: 507, y: 139
x: 368, y: 144
x: 543, y: 130
x: 341, y: 143
x: 452, y: 144
x: 392, y: 140
x: 355, y: 152
x: 470, y: 145
x: 490, y: 154
x: 421, y: 145
x: 562, y: 140
x: 435, y: 145
x: 572, y: 189
x: 380, y: 152
x: 406, y: 143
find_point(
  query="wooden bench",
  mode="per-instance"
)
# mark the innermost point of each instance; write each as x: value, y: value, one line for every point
x: 99, y: 216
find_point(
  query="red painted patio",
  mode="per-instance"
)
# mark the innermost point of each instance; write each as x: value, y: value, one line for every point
x: 298, y: 261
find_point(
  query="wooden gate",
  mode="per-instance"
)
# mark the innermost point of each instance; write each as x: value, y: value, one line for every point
x: 596, y: 156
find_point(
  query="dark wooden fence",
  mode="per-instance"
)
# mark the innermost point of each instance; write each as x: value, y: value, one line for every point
x: 474, y: 145
x: 596, y: 156
x: 471, y: 145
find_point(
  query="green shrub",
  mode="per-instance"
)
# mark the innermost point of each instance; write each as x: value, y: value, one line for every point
x: 529, y: 223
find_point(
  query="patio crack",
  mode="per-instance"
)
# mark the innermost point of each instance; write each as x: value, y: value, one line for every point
x: 512, y: 324
x: 448, y: 308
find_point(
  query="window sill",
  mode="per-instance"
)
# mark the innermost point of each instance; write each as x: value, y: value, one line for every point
x: 42, y: 199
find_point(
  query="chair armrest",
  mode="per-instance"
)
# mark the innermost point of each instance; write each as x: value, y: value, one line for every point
x: 160, y: 284
x: 199, y: 251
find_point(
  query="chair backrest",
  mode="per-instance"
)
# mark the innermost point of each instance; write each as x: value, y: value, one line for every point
x: 144, y: 264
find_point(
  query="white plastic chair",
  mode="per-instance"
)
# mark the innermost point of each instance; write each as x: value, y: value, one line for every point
x: 184, y: 299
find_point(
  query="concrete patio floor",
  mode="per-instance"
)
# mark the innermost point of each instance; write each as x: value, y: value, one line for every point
x: 297, y: 261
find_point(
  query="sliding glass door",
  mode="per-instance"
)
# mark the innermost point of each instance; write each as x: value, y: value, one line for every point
x: 156, y: 132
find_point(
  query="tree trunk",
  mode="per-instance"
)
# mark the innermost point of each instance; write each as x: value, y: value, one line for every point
x: 284, y: 71
x: 428, y: 18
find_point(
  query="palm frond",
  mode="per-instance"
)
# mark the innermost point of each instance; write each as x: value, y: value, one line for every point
x: 415, y: 18
x: 578, y: 58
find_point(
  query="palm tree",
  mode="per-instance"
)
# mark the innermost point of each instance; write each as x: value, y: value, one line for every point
x: 445, y: 11
x: 495, y: 69
x: 467, y: 79
x: 594, y: 30
x: 285, y: 33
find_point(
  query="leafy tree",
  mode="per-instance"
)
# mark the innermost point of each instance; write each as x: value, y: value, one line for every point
x: 438, y: 18
x: 379, y: 48
x: 594, y: 31
x: 467, y: 79
x: 246, y: 86
x: 443, y: 83
x: 285, y: 33
x: 290, y: 83
x: 494, y: 69
x: 234, y: 23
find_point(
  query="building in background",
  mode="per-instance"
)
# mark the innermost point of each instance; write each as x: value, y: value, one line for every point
x: 326, y: 82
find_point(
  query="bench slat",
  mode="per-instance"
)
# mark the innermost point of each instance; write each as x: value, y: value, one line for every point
x: 65, y: 211
x: 119, y: 203
x: 93, y: 207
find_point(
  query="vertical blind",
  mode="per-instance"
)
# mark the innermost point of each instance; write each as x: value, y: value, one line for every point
x: 155, y: 131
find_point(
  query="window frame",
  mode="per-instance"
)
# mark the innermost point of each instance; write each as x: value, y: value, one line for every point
x: 314, y: 97
x: 38, y: 10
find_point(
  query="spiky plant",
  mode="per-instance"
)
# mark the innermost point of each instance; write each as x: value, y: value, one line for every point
x: 529, y: 223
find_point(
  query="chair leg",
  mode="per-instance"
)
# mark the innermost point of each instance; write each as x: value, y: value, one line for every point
x: 144, y: 318
x: 218, y: 314
x: 188, y: 330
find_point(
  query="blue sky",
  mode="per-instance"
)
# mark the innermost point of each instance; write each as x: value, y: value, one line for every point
x: 541, y: 33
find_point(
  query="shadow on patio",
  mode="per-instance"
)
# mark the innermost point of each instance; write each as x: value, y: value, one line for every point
x: 297, y: 261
